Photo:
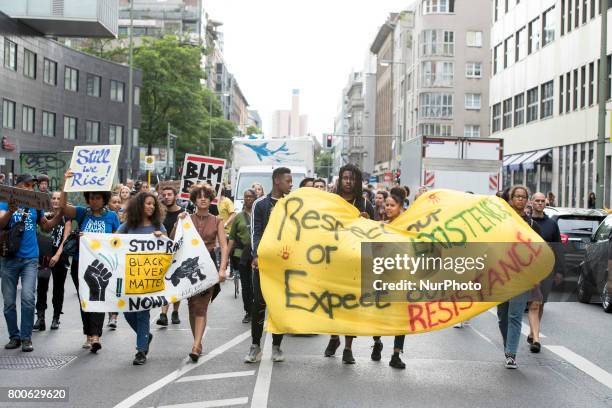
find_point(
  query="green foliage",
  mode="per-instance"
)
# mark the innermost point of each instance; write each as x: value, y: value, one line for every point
x: 253, y: 130
x: 323, y: 164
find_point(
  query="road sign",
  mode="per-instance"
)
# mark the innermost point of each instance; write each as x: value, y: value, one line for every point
x: 149, y: 163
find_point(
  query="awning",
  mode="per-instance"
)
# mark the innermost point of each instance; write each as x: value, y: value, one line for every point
x: 516, y: 164
x: 529, y: 164
x: 510, y: 159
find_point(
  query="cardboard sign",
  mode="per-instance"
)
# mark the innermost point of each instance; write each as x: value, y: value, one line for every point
x: 133, y: 272
x: 94, y: 168
x: 199, y: 170
x: 25, y: 198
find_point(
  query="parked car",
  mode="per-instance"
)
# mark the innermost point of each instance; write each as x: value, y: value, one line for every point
x: 576, y: 225
x: 594, y: 280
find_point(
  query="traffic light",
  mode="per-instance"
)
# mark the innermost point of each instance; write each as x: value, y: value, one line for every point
x: 329, y: 141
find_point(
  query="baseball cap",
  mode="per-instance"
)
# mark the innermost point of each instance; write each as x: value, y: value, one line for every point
x: 25, y: 178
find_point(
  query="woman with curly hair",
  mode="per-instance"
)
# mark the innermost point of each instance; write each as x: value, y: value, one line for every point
x: 211, y: 231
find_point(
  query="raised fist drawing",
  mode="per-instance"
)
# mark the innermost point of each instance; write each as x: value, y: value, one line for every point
x: 97, y: 277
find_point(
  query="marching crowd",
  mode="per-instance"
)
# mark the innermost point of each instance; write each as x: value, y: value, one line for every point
x: 37, y: 246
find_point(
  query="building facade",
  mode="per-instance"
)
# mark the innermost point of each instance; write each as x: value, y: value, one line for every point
x: 544, y: 95
x: 54, y: 98
x: 289, y: 123
x: 240, y: 112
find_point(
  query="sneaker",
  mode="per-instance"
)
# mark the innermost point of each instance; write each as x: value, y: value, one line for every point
x: 112, y: 323
x: 347, y: 356
x: 163, y: 319
x: 535, y: 347
x: 55, y: 323
x: 511, y: 361
x: 277, y: 354
x: 175, y: 318
x: 254, y: 354
x: 529, y: 340
x: 140, y: 359
x: 149, y: 343
x: 40, y: 323
x: 332, y: 346
x: 13, y: 344
x: 95, y: 344
x: 459, y: 325
x: 376, y: 349
x: 246, y: 319
x: 396, y: 362
x: 87, y: 343
x: 26, y: 345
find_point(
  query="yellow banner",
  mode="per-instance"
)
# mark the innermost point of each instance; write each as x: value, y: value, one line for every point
x: 311, y: 267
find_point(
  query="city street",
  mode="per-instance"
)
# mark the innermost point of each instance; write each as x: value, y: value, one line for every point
x: 453, y: 367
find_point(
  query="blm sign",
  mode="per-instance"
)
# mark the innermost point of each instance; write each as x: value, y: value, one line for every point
x: 202, y: 169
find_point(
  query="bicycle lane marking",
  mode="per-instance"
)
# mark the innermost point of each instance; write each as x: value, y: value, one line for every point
x: 264, y: 376
x: 162, y: 382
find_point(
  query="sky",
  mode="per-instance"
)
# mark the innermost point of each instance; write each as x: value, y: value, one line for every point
x: 274, y: 46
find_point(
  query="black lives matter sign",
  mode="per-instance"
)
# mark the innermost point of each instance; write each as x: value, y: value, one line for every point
x: 201, y: 170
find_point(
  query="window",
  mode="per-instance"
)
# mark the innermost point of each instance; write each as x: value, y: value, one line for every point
x: 519, y: 109
x: 29, y: 64
x: 583, y: 86
x: 569, y: 15
x: 70, y: 128
x: 115, y: 135
x: 8, y: 114
x: 48, y: 124
x: 474, y: 38
x: 534, y: 36
x: 508, y: 52
x: 496, y: 9
x: 568, y: 92
x: 507, y: 114
x: 562, y: 17
x: 593, y: 8
x: 137, y: 95
x: 472, y: 101
x: 520, y: 50
x: 435, y: 129
x: 135, y: 137
x: 473, y: 70
x: 437, y: 42
x: 27, y: 119
x: 496, y: 117
x: 532, y: 104
x: 575, y: 99
x: 436, y: 105
x: 49, y: 72
x: 577, y: 13
x: 548, y: 26
x: 438, y: 6
x: 93, y: 85
x: 561, y: 94
x: 584, y: 11
x: 471, y: 131
x: 449, y: 43
x: 437, y: 73
x: 92, y: 131
x: 10, y: 54
x: 496, y: 59
x: 116, y: 90
x: 547, y: 99
x: 591, y: 83
x: 71, y: 79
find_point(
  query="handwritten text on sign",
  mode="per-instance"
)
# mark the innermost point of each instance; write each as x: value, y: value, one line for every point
x: 94, y: 168
x: 25, y: 198
x: 202, y: 169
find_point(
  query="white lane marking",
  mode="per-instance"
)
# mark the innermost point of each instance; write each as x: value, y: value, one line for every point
x: 481, y: 335
x: 524, y: 327
x: 150, y: 389
x: 583, y: 364
x: 211, y: 404
x: 264, y: 376
x: 216, y: 376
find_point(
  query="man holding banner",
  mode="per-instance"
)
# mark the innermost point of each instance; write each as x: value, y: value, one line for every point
x: 21, y: 263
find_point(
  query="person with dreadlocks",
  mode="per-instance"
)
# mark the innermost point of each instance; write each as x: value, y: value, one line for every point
x: 350, y: 187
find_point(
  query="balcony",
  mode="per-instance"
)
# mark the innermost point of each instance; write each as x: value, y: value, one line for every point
x: 66, y: 18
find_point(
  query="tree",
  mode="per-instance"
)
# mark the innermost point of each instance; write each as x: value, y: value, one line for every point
x: 253, y: 130
x: 324, y: 164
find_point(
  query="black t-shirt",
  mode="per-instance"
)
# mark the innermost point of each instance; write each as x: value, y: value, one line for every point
x: 171, y: 218
x: 363, y: 205
x: 57, y: 233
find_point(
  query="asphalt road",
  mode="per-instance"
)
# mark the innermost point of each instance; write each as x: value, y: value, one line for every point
x: 449, y: 368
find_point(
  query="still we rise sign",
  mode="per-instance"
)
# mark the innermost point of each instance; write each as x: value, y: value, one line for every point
x: 94, y: 168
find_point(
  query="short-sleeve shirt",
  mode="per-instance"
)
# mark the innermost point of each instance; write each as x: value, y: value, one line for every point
x: 171, y: 218
x: 28, y: 248
x: 226, y: 208
x: 208, y: 228
x: 57, y: 233
x: 107, y: 223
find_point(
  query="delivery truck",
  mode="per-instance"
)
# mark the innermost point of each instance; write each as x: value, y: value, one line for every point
x: 456, y: 163
x: 254, y: 160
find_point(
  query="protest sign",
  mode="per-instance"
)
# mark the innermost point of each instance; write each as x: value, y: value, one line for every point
x: 94, y: 168
x: 202, y: 169
x: 25, y: 198
x: 128, y: 273
x: 311, y: 253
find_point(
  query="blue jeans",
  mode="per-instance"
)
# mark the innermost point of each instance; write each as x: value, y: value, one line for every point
x: 12, y: 269
x: 140, y: 323
x: 510, y: 319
